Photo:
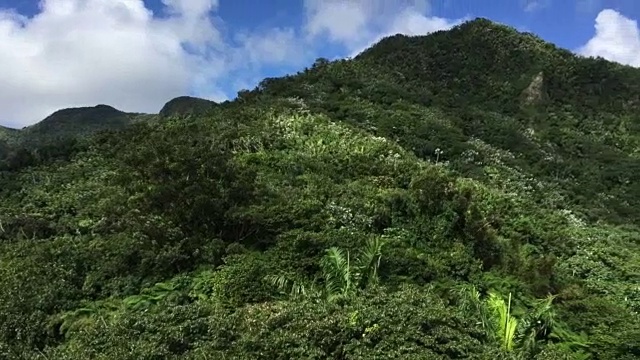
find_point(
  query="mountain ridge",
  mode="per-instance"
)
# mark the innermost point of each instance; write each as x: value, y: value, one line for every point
x: 77, y: 122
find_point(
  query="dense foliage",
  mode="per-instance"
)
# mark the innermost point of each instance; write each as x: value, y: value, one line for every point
x: 430, y: 199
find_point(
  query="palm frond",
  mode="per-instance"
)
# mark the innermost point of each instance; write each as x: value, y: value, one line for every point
x: 287, y: 285
x: 568, y: 339
x: 368, y: 261
x: 544, y: 315
x: 538, y: 323
x: 337, y: 272
x: 469, y: 300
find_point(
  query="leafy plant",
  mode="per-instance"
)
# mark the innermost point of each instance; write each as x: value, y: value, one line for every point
x: 341, y: 275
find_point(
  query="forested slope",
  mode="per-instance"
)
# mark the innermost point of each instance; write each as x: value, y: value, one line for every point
x: 568, y: 122
x: 429, y: 199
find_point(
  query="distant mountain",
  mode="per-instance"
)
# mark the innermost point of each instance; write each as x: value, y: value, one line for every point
x: 186, y: 105
x: 60, y: 132
x: 45, y: 139
x: 80, y: 121
x: 73, y: 124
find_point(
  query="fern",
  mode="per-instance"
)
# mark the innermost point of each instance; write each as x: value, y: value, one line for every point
x: 578, y: 343
x: 87, y: 315
x: 202, y: 285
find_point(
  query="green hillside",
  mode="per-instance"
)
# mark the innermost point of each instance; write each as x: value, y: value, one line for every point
x: 472, y: 194
x: 6, y: 133
x: 7, y: 137
x: 569, y: 124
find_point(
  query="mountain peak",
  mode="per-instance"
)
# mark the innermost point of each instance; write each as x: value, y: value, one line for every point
x: 484, y: 23
x: 488, y: 64
x: 78, y: 121
x: 186, y: 105
x: 88, y: 113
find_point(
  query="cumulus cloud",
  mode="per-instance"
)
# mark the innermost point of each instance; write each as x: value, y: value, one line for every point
x: 358, y: 24
x: 617, y: 38
x: 118, y: 52
x: 341, y: 21
x: 85, y: 52
x: 273, y: 46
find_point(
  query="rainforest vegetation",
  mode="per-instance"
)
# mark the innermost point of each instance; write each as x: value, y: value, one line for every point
x: 470, y: 194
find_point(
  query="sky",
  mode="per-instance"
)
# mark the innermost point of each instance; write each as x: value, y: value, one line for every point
x: 137, y: 54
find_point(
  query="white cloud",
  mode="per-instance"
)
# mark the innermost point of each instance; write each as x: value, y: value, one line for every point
x: 617, y: 38
x: 85, y: 52
x: 191, y: 8
x: 358, y: 24
x: 273, y: 46
x: 191, y: 21
x: 342, y: 21
x: 410, y: 22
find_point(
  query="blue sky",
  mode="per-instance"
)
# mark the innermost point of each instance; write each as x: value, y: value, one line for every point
x: 136, y: 55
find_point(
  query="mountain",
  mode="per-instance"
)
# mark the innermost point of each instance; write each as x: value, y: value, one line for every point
x: 84, y: 121
x: 77, y: 122
x: 468, y: 194
x: 80, y: 120
x: 485, y: 64
x: 570, y: 123
x: 61, y: 132
x: 186, y: 105
x: 66, y: 129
